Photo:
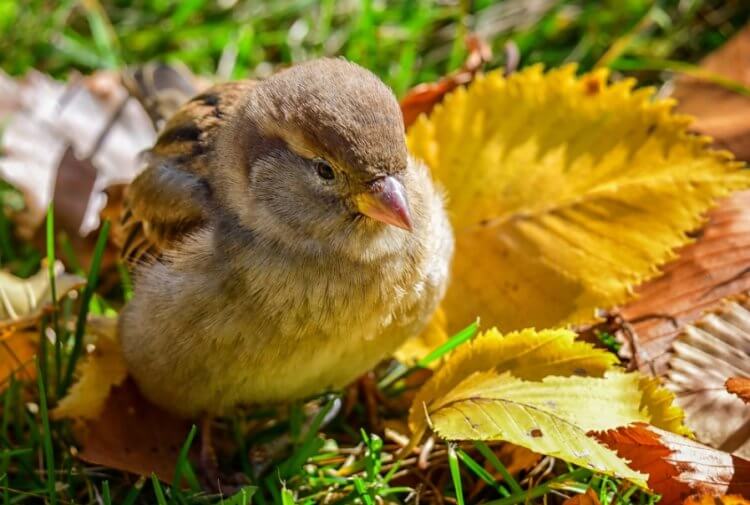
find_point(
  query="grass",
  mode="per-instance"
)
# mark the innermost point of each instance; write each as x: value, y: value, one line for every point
x: 405, y: 42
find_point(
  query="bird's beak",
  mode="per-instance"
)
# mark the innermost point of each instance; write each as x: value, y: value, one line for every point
x: 385, y: 201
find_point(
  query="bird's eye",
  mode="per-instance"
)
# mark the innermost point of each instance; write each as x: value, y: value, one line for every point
x: 323, y: 169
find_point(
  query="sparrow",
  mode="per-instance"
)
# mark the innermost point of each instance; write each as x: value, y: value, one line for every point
x: 282, y: 240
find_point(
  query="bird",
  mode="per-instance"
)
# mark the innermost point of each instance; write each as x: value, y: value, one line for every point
x: 282, y: 242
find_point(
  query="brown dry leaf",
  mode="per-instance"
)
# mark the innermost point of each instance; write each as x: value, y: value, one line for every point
x: 721, y: 113
x: 133, y: 435
x: 587, y: 498
x: 17, y: 351
x: 707, y: 499
x: 423, y: 97
x: 702, y: 358
x: 102, y: 369
x: 677, y: 466
x: 705, y: 272
x: 516, y: 459
x: 739, y: 386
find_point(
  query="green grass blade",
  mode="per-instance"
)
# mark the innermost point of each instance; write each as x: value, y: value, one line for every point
x: 242, y: 497
x: 158, y: 491
x: 480, y: 472
x: 456, y: 340
x: 88, y: 292
x: 53, y: 291
x: 459, y: 338
x: 132, y: 495
x: 495, y: 462
x: 359, y: 486
x: 49, y: 455
x: 106, y: 497
x: 183, y: 465
x: 455, y: 474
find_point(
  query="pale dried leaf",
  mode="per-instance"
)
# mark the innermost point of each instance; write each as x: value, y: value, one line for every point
x: 24, y: 299
x: 703, y: 357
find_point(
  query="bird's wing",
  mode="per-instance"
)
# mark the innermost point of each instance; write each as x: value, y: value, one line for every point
x: 168, y: 199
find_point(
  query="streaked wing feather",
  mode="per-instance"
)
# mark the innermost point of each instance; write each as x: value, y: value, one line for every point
x: 167, y: 200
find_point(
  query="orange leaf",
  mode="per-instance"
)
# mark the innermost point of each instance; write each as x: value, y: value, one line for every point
x: 588, y: 498
x: 423, y: 97
x: 677, y: 466
x: 133, y: 435
x: 17, y: 351
x: 739, y: 386
x: 707, y: 499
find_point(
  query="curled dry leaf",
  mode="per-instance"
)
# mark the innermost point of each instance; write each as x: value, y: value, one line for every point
x: 564, y: 192
x: 720, y: 112
x: 677, y: 466
x: 739, y: 386
x: 102, y: 369
x: 422, y: 98
x: 71, y: 142
x: 24, y: 299
x: 703, y: 356
x: 132, y: 435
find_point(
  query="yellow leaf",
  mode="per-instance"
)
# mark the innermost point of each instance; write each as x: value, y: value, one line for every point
x: 420, y: 346
x: 663, y: 411
x: 564, y: 192
x: 550, y: 417
x: 22, y: 299
x: 103, y: 368
x: 527, y: 354
x: 544, y: 391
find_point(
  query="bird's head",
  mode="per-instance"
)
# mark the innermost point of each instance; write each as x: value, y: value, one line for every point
x: 316, y: 156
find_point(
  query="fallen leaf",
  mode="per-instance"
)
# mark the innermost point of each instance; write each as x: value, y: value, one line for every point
x: 133, y: 435
x: 423, y: 97
x: 677, y: 466
x: 102, y: 369
x: 24, y: 299
x: 17, y: 351
x: 527, y: 354
x: 707, y: 499
x: 543, y: 391
x: 739, y: 386
x: 704, y: 274
x: 587, y: 498
x: 564, y: 192
x: 720, y: 112
x: 71, y: 141
x: 552, y: 416
x: 703, y: 356
x: 420, y: 346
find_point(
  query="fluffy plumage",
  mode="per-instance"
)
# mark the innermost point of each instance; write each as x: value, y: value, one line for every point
x: 257, y: 278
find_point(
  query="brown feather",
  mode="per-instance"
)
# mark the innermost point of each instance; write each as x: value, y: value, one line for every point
x: 159, y: 211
